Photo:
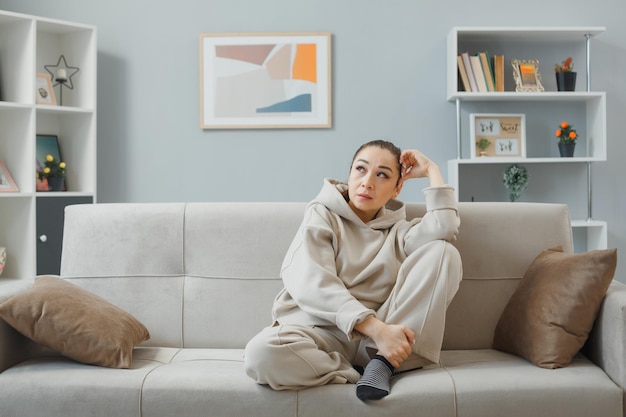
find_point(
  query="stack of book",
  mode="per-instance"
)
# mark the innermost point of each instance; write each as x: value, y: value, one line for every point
x: 479, y: 74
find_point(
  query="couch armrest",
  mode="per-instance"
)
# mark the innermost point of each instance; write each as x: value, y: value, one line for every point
x: 14, y: 347
x: 606, y: 345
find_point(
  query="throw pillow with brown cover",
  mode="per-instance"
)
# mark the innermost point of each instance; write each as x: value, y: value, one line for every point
x: 74, y: 322
x: 550, y: 315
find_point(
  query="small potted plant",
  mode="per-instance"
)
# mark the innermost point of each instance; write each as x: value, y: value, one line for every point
x: 483, y: 144
x: 565, y: 75
x: 567, y: 139
x: 54, y: 172
x: 515, y: 180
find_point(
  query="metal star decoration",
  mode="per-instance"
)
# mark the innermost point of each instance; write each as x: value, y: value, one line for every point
x: 71, y: 71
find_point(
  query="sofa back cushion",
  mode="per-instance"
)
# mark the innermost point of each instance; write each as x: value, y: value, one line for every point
x: 205, y: 274
x: 497, y: 242
x: 196, y: 274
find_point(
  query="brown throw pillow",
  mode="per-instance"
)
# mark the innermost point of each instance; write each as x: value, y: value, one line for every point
x: 75, y: 323
x: 550, y: 315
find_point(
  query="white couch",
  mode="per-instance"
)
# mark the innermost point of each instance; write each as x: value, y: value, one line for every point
x: 202, y: 278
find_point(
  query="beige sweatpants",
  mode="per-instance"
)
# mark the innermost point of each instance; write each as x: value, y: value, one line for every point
x: 291, y: 356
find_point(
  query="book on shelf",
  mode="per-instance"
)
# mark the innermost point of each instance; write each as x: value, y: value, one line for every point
x: 498, y: 71
x: 477, y: 69
x: 463, y: 74
x: 470, y: 72
x: 487, y: 71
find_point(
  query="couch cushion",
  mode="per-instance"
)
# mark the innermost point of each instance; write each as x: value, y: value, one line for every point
x: 182, y: 261
x: 123, y: 239
x: 490, y: 383
x: 213, y: 381
x: 156, y: 301
x: 164, y: 381
x: 493, y: 266
x: 427, y: 392
x: 233, y: 253
x: 57, y: 386
x: 74, y: 322
x: 550, y: 315
x: 201, y: 382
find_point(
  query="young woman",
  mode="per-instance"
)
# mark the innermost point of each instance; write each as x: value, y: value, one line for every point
x: 363, y: 287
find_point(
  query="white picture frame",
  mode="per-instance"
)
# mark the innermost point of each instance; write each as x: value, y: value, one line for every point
x: 506, y: 133
x: 527, y: 76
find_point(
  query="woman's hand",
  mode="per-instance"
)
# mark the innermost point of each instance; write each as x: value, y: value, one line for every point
x: 393, y: 341
x: 417, y: 165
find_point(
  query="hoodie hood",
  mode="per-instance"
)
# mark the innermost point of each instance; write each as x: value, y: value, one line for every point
x: 334, y: 196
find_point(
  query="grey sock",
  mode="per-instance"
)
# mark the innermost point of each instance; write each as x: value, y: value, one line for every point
x: 374, y: 384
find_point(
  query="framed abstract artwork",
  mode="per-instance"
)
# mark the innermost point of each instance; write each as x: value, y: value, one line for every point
x: 265, y: 80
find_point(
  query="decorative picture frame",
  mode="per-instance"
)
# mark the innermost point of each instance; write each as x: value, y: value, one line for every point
x: 505, y: 132
x: 44, y: 93
x: 46, y: 145
x: 527, y: 76
x: 7, y: 184
x: 265, y: 80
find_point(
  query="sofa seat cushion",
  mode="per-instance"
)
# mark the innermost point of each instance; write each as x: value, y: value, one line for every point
x: 522, y: 389
x: 213, y: 382
x: 58, y: 386
x: 426, y: 392
x: 210, y: 382
x: 166, y: 382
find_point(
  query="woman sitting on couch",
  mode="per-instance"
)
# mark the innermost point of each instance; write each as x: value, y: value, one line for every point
x: 363, y: 287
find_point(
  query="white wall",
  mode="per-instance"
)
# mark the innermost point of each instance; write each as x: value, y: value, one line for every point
x: 388, y: 81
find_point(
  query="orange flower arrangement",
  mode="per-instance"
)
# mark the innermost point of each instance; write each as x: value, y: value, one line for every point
x: 566, y: 134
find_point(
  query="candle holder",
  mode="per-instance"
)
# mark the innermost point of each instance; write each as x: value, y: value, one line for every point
x: 62, y: 76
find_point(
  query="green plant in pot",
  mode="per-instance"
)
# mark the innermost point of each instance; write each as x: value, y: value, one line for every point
x: 54, y: 172
x: 515, y: 180
x: 565, y: 75
x: 483, y: 144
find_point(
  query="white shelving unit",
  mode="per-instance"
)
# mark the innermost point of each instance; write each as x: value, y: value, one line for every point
x: 27, y: 43
x: 479, y: 179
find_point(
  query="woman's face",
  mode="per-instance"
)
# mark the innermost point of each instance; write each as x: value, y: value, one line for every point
x: 373, y: 181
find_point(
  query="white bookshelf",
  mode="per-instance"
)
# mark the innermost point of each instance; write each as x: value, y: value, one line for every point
x: 27, y: 43
x: 584, y: 108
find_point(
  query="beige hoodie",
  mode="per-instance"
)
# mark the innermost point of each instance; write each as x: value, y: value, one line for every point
x: 338, y: 270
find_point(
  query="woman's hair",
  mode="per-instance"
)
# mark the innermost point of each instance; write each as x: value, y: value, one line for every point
x: 382, y: 144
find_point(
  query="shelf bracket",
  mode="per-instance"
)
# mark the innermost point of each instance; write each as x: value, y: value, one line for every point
x: 589, y: 187
x: 589, y: 207
x: 458, y: 128
x: 588, y: 51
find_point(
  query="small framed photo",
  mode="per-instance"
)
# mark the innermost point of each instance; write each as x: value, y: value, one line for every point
x: 7, y: 185
x: 498, y: 135
x: 44, y: 92
x: 526, y: 75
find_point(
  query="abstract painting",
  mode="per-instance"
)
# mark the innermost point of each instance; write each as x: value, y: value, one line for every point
x: 274, y: 80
